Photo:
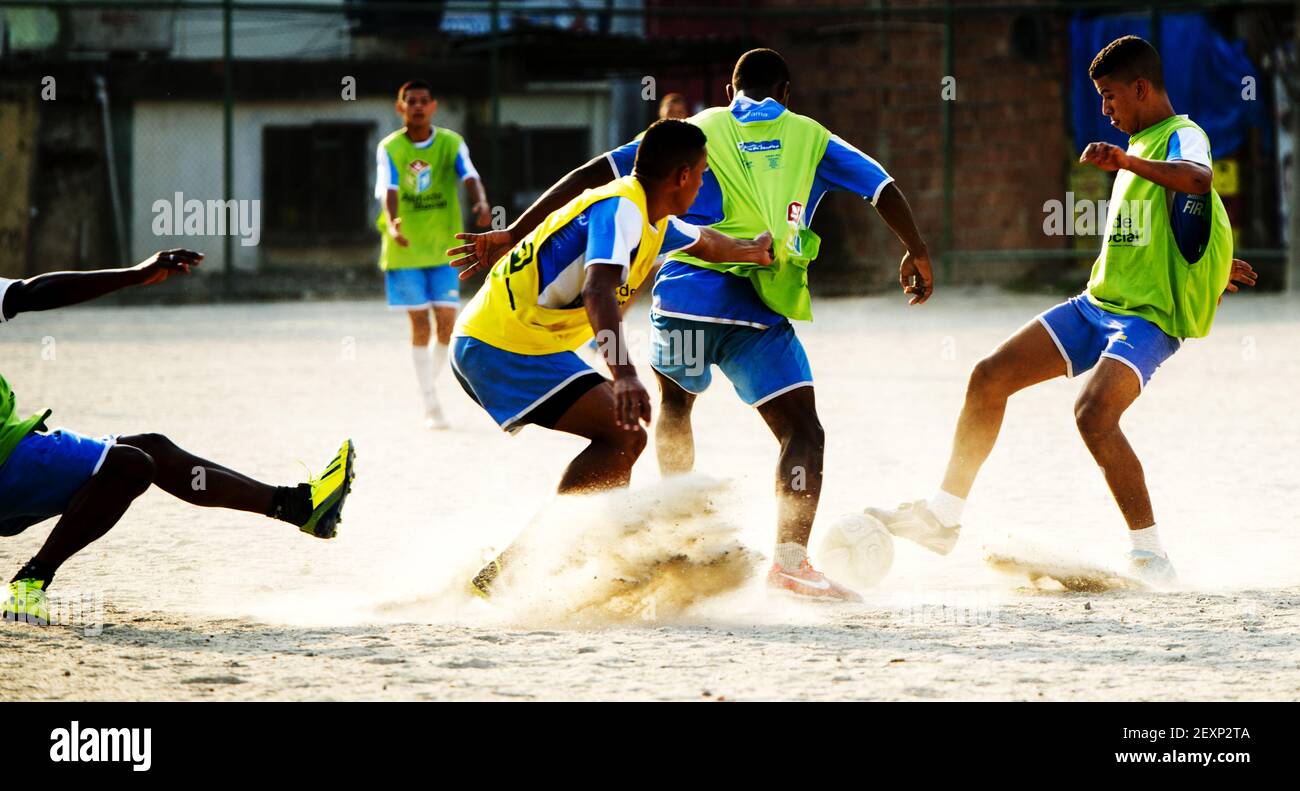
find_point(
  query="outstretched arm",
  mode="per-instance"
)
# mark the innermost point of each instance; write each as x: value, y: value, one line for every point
x: 58, y: 289
x: 914, y: 272
x: 483, y: 249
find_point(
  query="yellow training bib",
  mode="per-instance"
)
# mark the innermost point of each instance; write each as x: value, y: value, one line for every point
x: 505, y: 313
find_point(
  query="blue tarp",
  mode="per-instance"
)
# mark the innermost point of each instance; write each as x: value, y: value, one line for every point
x: 1203, y: 75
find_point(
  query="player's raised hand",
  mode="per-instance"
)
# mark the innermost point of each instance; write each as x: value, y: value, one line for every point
x: 482, y: 250
x: 1104, y: 156
x: 165, y: 263
x: 916, y: 276
x: 482, y: 214
x: 631, y: 402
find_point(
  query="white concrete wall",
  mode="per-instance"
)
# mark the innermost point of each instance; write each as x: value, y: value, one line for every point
x: 263, y: 34
x: 557, y: 106
x: 177, y: 147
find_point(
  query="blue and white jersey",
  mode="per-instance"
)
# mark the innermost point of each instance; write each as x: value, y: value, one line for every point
x: 692, y: 292
x: 386, y: 172
x: 608, y: 232
x: 1190, y: 215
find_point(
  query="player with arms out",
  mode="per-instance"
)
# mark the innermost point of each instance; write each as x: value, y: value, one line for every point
x: 419, y: 169
x: 90, y: 483
x: 1163, y: 267
x: 769, y: 168
x: 567, y: 280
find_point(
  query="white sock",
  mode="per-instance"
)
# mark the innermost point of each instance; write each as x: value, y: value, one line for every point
x: 1147, y: 539
x: 438, y: 353
x: 424, y: 375
x: 790, y: 555
x: 946, y: 507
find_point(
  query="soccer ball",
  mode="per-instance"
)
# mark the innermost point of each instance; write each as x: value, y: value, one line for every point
x: 857, y: 551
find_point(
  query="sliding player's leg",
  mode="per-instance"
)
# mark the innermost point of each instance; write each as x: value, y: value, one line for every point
x: 315, y: 507
x: 89, y: 482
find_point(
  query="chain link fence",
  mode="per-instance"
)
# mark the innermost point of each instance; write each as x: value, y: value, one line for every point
x: 248, y: 129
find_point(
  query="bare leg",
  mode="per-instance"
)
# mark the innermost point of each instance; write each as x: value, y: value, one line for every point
x: 445, y: 319
x: 1110, y: 391
x: 1026, y: 358
x: 793, y: 419
x: 201, y: 482
x: 125, y: 475
x: 421, y: 330
x: 607, y: 461
x: 605, y: 464
x: 674, y: 440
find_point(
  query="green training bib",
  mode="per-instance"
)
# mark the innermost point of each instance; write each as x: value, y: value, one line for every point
x: 1140, y: 270
x: 766, y: 171
x: 428, y: 201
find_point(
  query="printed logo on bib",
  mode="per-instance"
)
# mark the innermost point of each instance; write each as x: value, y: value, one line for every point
x: 1129, y: 223
x: 421, y: 175
x: 760, y: 146
x: 770, y: 150
x: 793, y: 220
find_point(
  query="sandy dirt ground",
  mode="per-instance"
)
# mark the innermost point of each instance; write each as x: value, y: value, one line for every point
x: 181, y: 603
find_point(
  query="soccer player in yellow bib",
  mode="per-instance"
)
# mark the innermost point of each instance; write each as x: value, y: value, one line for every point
x: 512, y: 349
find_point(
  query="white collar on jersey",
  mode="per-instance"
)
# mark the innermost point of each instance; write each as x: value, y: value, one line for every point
x: 746, y: 109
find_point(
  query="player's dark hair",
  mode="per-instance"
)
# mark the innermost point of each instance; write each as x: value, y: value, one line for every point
x: 1127, y: 59
x: 412, y: 85
x: 668, y: 145
x: 759, y: 71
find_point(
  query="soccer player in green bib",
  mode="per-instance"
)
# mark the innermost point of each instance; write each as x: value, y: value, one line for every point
x: 419, y: 169
x: 89, y: 483
x: 769, y: 168
x: 1163, y: 267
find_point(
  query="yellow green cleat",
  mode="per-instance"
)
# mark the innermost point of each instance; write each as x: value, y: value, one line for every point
x: 328, y: 493
x: 482, y: 583
x: 26, y: 603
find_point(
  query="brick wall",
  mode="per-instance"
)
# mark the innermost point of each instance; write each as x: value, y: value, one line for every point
x: 876, y: 82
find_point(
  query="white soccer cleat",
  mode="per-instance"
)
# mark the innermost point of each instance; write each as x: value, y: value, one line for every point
x: 1155, y: 570
x: 915, y: 522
